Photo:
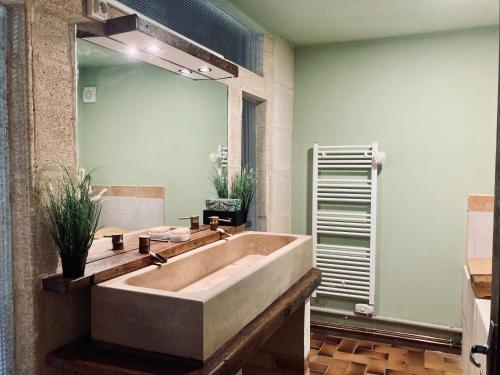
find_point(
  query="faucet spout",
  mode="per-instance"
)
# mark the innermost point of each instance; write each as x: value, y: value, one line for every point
x: 224, y: 234
x: 158, y: 259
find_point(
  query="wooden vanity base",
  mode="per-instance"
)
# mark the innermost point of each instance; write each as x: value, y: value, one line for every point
x: 81, y: 357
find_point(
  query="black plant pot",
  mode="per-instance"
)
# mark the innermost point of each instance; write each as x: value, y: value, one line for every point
x: 237, y: 218
x: 74, y: 265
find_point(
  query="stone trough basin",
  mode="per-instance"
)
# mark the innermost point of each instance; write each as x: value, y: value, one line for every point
x: 192, y: 305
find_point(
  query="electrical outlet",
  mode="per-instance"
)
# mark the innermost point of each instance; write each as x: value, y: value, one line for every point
x: 98, y: 10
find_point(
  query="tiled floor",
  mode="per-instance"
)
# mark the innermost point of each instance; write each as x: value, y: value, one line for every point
x: 332, y: 355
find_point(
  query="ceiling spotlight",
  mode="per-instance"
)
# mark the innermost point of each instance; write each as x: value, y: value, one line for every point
x: 185, y: 71
x: 153, y: 48
x: 204, y: 69
x: 132, y: 51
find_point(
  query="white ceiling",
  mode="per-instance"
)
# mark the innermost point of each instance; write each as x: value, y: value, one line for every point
x: 306, y: 22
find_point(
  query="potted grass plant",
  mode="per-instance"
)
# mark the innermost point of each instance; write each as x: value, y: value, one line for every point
x: 219, y: 180
x: 232, y: 204
x: 243, y: 185
x: 71, y: 212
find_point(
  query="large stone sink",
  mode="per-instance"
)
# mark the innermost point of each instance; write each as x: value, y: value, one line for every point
x: 192, y: 305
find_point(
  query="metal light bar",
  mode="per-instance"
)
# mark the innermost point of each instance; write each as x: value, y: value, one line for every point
x: 158, y: 46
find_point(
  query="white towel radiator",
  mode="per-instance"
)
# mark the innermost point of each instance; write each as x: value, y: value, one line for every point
x: 344, y: 218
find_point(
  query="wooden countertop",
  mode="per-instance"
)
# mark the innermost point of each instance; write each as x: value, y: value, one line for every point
x: 81, y: 357
x: 109, y: 263
x: 480, y: 270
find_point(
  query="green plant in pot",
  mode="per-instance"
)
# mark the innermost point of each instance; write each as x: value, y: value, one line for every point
x: 71, y: 213
x: 219, y: 180
x: 243, y: 185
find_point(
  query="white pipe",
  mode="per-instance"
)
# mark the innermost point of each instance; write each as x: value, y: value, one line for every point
x: 357, y: 259
x: 331, y: 265
x: 344, y: 218
x: 343, y: 200
x: 343, y: 195
x: 343, y: 247
x: 344, y: 228
x: 344, y: 157
x: 387, y: 319
x: 351, y: 146
x: 340, y: 233
x: 340, y: 166
x: 345, y: 285
x: 351, y: 254
x: 342, y: 180
x: 358, y: 293
x: 344, y: 223
x: 345, y: 282
x: 341, y: 294
x: 343, y: 189
x: 346, y: 275
x: 344, y: 161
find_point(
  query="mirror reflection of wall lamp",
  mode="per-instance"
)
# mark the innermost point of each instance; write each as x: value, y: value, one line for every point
x: 157, y: 45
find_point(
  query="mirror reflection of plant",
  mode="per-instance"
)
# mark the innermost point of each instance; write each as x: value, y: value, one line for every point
x: 243, y: 185
x: 72, y: 213
x: 219, y: 180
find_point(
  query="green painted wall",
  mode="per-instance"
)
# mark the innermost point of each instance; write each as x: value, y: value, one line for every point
x: 430, y: 102
x: 152, y: 127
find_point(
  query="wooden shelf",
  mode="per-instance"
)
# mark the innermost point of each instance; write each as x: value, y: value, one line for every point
x: 480, y: 270
x: 82, y: 357
x: 110, y: 264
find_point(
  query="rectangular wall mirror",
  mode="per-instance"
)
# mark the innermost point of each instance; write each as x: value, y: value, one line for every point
x: 148, y: 134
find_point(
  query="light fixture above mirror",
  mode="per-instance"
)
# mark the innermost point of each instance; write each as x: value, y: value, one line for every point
x: 159, y: 46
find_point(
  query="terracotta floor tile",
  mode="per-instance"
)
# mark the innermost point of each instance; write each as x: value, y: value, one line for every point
x: 318, y: 367
x: 371, y: 354
x: 339, y: 363
x: 335, y: 371
x: 328, y: 349
x: 324, y: 360
x: 333, y: 355
x: 355, y: 369
x: 365, y: 345
x: 350, y: 357
x: 415, y: 358
x: 376, y: 366
x: 347, y: 346
x: 316, y: 344
x: 433, y: 360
